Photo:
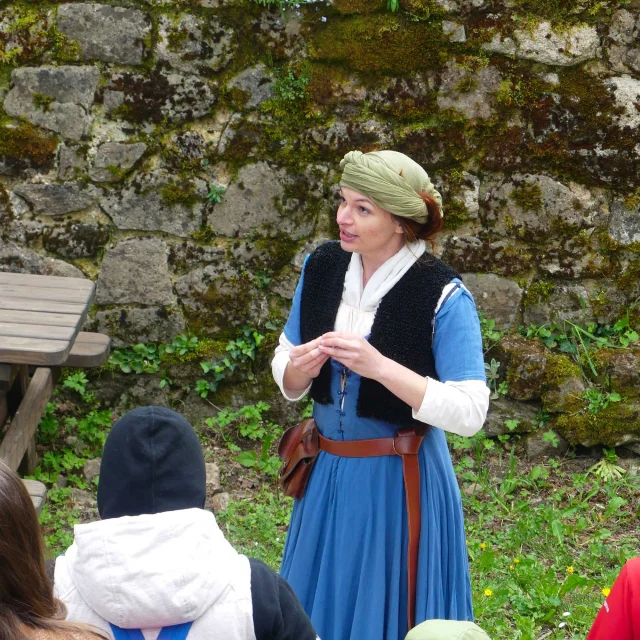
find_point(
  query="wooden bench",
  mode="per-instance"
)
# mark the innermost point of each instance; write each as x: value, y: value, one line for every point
x: 88, y: 350
x: 38, y: 493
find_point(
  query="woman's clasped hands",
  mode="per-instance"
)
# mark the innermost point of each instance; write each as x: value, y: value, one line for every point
x: 349, y: 349
x: 354, y: 352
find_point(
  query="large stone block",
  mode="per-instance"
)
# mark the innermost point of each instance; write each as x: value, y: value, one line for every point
x: 56, y: 98
x: 154, y: 202
x: 624, y: 225
x: 479, y: 254
x: 503, y: 409
x: 57, y: 199
x: 71, y: 162
x: 624, y: 47
x: 461, y: 5
x: 498, y: 298
x: 557, y: 301
x: 565, y: 47
x: 76, y: 239
x: 335, y: 139
x: 186, y: 255
x: 113, y: 158
x: 529, y: 206
x: 259, y: 201
x: 132, y: 325
x: 524, y: 362
x: 17, y: 259
x: 103, y: 32
x: 468, y: 92
x: 623, y: 369
x: 159, y: 96
x: 537, y: 446
x: 256, y: 82
x: 616, y: 425
x: 194, y: 45
x: 626, y: 91
x: 135, y: 271
x: 219, y: 298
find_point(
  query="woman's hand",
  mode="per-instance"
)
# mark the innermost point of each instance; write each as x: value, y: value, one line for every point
x: 307, y: 359
x: 354, y: 352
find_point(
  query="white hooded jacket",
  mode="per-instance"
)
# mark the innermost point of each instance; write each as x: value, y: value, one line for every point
x: 151, y: 571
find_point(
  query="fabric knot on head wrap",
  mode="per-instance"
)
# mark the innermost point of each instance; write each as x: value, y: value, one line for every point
x: 391, y: 180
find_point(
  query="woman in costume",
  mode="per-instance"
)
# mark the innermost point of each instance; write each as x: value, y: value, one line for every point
x: 386, y: 340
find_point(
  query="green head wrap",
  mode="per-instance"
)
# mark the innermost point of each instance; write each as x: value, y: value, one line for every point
x: 391, y: 180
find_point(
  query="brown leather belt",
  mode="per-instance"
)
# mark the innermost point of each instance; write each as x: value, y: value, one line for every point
x: 406, y: 444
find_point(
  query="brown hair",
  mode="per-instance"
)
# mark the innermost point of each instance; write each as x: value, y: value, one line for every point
x: 26, y: 594
x: 423, y: 231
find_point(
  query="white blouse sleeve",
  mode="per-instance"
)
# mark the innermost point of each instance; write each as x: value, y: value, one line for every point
x: 458, y: 407
x: 278, y: 366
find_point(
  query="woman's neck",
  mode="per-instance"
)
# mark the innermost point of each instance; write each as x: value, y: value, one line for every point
x: 371, y: 263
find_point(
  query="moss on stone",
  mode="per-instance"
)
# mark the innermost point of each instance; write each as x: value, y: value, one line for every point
x: 559, y: 369
x: 632, y: 200
x: 455, y: 214
x: 26, y: 142
x: 610, y: 427
x: 564, y: 12
x: 42, y: 102
x: 539, y: 290
x: 419, y: 10
x: 183, y: 193
x: 349, y: 7
x: 280, y: 249
x: 383, y: 43
x: 528, y: 196
x: 629, y: 277
x: 62, y: 47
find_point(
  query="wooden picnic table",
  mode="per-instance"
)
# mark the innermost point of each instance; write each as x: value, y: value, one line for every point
x: 40, y: 322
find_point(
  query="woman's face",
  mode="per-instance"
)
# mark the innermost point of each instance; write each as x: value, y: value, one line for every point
x: 365, y: 227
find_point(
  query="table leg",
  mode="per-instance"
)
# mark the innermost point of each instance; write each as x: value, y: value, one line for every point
x: 30, y: 460
x: 31, y: 398
x: 4, y: 409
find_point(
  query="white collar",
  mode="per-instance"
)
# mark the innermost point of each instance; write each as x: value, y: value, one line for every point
x: 384, y: 278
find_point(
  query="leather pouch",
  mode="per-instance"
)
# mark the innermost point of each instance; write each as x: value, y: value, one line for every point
x: 298, y: 449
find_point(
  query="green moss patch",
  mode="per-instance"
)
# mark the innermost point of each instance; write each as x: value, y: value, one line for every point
x: 383, y: 43
x: 26, y: 142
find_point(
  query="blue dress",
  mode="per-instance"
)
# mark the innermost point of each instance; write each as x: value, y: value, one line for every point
x: 345, y: 554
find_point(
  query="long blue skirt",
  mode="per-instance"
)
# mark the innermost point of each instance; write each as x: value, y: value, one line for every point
x: 346, y: 550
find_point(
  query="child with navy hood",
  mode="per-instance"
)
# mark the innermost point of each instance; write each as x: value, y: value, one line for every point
x: 156, y: 566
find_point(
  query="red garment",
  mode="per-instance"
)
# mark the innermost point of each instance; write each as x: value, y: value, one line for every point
x: 619, y: 617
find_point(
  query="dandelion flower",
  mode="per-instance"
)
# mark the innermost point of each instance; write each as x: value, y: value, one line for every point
x: 606, y: 591
x: 511, y: 567
x: 488, y: 593
x: 516, y: 561
x: 570, y: 569
x: 483, y: 545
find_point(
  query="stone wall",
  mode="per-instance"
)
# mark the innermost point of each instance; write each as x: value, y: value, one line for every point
x: 120, y: 121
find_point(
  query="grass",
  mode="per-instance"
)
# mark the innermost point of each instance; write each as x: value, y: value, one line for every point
x: 544, y: 540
